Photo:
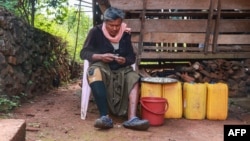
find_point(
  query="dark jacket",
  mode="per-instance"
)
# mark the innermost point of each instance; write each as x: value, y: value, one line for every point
x: 96, y: 42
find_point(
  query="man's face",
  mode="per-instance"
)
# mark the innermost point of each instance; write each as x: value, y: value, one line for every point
x: 113, y: 27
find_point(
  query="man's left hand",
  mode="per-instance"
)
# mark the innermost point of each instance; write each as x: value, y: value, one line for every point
x: 120, y: 60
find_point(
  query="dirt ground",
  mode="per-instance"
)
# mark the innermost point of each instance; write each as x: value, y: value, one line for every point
x: 55, y: 116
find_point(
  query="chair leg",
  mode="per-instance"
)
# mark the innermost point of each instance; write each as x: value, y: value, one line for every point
x: 85, y: 92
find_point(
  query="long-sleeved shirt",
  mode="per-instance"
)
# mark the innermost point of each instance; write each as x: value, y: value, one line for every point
x: 97, y: 43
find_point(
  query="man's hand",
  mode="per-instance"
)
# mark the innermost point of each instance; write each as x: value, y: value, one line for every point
x: 120, y: 60
x: 108, y: 57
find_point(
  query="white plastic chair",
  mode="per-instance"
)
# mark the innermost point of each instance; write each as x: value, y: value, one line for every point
x: 86, y: 90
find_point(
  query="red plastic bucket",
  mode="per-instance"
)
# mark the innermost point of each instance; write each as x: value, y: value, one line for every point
x: 153, y: 109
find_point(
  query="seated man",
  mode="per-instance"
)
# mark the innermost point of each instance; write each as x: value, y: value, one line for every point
x: 113, y: 81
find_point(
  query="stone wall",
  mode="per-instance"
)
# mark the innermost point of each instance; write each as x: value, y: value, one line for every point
x: 30, y: 59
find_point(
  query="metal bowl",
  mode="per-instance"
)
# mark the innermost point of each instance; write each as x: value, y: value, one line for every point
x: 158, y: 80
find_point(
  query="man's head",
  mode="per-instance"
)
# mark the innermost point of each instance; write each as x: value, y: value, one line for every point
x: 113, y: 13
x: 113, y: 18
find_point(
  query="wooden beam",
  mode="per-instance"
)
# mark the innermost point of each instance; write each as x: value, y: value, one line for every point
x: 236, y: 39
x: 171, y: 49
x: 209, y: 25
x: 190, y: 55
x: 217, y: 27
x: 234, y: 48
x: 167, y: 13
x: 234, y: 25
x: 235, y: 4
x: 142, y: 31
x: 196, y: 25
x: 103, y: 4
x: 168, y: 25
x: 171, y: 37
x: 160, y: 4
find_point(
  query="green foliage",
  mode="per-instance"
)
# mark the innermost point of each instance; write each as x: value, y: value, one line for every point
x: 70, y: 30
x: 7, y: 104
x: 49, y: 25
x: 55, y: 17
x: 56, y: 9
x: 27, y: 9
x: 77, y: 31
x: 9, y: 5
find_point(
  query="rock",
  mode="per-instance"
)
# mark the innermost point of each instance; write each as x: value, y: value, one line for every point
x: 12, y: 130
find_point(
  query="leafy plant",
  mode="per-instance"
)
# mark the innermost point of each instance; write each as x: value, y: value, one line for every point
x: 56, y: 17
x: 10, y: 5
x: 73, y: 30
x: 6, y: 104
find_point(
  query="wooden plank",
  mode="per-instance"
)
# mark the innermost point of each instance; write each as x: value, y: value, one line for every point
x: 127, y: 4
x: 235, y: 4
x: 178, y: 4
x: 235, y: 39
x: 168, y: 25
x: 162, y: 65
x: 233, y: 25
x: 160, y: 4
x: 168, y: 14
x: 209, y: 26
x: 142, y: 31
x: 235, y: 14
x: 170, y: 49
x: 103, y: 4
x: 229, y: 48
x: 190, y: 55
x: 217, y: 26
x: 234, y: 48
x: 171, y: 37
x: 134, y: 24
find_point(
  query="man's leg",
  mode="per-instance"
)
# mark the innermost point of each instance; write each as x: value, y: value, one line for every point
x: 133, y: 101
x: 133, y: 121
x: 100, y: 94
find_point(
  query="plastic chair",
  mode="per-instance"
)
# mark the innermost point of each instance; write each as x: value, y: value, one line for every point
x: 86, y: 90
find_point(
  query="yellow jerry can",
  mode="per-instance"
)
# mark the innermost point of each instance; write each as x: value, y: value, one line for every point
x: 217, y: 101
x: 172, y: 92
x: 194, y: 100
x: 151, y: 89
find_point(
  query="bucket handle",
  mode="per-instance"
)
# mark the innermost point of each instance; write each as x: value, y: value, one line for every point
x: 157, y: 113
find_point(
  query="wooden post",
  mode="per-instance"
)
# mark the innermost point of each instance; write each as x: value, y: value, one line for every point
x: 103, y: 5
x: 143, y: 14
x: 209, y: 26
x: 217, y: 27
